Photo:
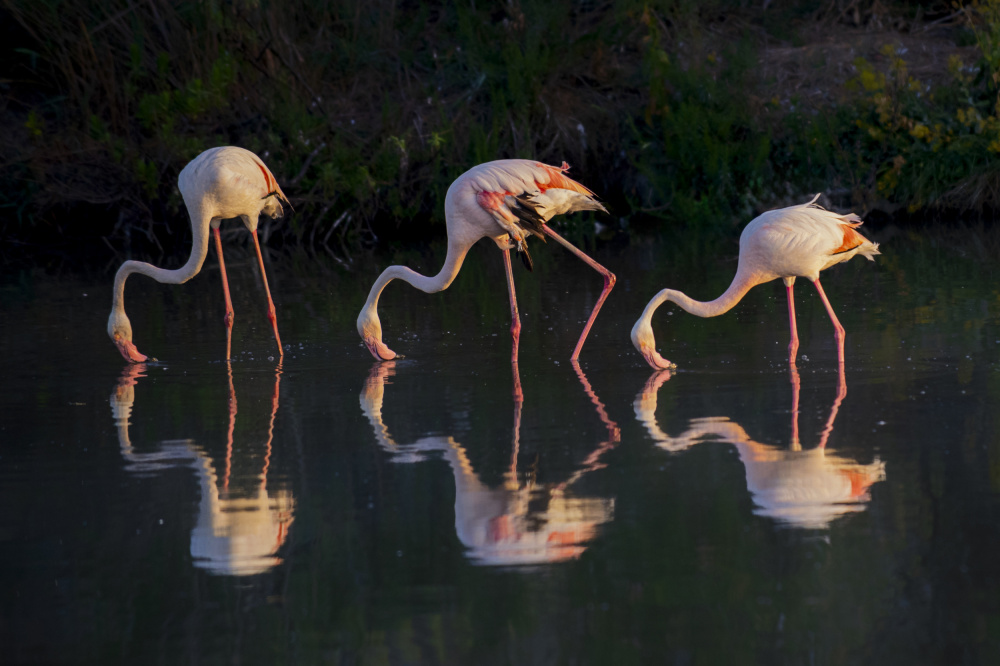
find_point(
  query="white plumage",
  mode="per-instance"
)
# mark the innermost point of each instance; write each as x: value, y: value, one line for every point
x: 798, y: 241
x: 506, y: 201
x: 219, y: 184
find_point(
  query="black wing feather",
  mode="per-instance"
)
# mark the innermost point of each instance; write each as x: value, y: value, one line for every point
x: 527, y: 212
x: 526, y: 258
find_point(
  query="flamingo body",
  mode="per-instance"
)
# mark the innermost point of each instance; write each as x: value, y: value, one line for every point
x: 506, y: 201
x: 230, y: 182
x: 798, y: 241
x: 221, y: 183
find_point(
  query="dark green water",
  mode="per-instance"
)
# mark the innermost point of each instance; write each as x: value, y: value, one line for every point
x: 335, y: 510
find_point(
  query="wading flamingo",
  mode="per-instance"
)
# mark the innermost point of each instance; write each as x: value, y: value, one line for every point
x: 219, y: 184
x: 504, y: 200
x: 798, y: 241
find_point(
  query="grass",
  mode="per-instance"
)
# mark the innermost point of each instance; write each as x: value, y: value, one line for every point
x: 677, y: 112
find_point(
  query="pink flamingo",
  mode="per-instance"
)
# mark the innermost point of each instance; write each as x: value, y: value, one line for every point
x: 219, y: 184
x: 784, y: 243
x: 505, y: 200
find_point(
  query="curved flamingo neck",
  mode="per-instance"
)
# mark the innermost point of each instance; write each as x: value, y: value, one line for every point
x: 452, y: 264
x: 742, y: 283
x: 199, y: 250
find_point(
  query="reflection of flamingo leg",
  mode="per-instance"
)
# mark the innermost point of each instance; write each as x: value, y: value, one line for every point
x: 515, y: 319
x: 592, y: 461
x: 232, y: 426
x: 614, y: 432
x: 516, y: 438
x: 609, y: 282
x: 796, y: 385
x: 793, y: 345
x: 225, y: 289
x: 270, y: 428
x: 841, y: 394
x: 838, y: 330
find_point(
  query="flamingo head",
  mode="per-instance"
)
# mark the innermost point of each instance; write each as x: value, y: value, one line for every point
x: 642, y: 338
x: 370, y: 330
x: 272, y: 205
x: 120, y: 332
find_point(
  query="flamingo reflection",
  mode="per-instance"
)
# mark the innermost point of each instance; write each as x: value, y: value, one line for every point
x: 521, y: 522
x: 801, y: 488
x: 236, y: 533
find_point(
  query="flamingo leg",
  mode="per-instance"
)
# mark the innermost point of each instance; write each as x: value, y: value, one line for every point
x: 270, y: 304
x: 515, y: 318
x: 230, y: 315
x: 609, y: 282
x: 838, y: 331
x: 793, y: 345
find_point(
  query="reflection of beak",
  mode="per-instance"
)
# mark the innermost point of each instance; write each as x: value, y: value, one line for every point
x: 129, y: 352
x: 130, y: 376
x: 654, y: 383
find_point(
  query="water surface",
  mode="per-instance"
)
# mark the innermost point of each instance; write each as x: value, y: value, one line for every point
x: 325, y: 508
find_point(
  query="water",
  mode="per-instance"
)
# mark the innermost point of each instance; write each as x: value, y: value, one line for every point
x: 330, y: 509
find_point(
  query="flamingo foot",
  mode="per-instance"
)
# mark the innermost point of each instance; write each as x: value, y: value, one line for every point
x: 129, y: 351
x: 378, y: 349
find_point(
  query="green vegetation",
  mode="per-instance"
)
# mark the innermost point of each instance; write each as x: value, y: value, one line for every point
x: 690, y: 113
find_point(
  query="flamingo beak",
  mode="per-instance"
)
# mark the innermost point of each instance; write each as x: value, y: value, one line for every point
x: 129, y: 351
x: 654, y: 359
x: 378, y: 349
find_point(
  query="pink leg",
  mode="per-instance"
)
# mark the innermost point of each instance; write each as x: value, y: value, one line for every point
x: 515, y: 318
x: 225, y: 288
x: 609, y: 282
x: 270, y: 304
x: 838, y: 330
x: 793, y: 345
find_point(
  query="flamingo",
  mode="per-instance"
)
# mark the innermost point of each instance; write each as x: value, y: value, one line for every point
x: 798, y: 241
x: 219, y: 184
x: 505, y: 200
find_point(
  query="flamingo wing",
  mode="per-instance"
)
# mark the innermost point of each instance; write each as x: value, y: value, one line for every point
x: 249, y: 172
x: 809, y: 230
x: 522, y: 195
